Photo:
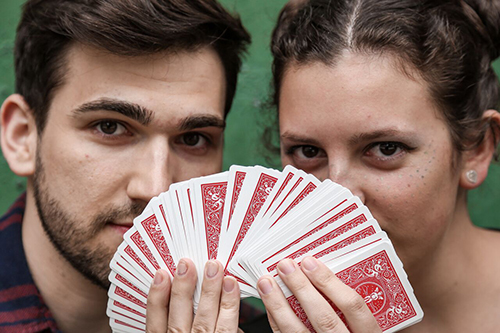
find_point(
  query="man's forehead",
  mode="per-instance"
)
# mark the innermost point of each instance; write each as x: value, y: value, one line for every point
x: 170, y: 89
x: 164, y: 66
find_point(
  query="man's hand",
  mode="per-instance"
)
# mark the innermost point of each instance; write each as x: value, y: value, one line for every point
x: 170, y: 304
x: 305, y: 282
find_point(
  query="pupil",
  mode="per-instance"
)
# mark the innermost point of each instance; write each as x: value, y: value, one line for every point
x: 191, y: 139
x: 310, y: 151
x: 109, y: 127
x: 388, y: 148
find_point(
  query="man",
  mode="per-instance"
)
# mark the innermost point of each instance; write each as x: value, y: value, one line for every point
x: 116, y: 99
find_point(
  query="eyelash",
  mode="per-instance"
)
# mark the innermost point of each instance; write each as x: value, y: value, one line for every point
x: 404, y: 148
x: 204, y: 137
x: 95, y: 126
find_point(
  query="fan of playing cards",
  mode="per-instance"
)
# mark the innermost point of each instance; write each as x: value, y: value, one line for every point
x: 249, y: 218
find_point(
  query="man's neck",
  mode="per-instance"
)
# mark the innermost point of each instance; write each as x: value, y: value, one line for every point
x: 76, y: 304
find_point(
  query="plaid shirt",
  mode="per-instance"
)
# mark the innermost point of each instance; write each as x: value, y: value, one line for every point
x: 21, y: 306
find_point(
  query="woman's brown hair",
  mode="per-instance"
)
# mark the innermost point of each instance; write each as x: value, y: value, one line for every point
x: 450, y: 43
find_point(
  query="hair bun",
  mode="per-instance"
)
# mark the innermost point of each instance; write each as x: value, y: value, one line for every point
x: 488, y: 12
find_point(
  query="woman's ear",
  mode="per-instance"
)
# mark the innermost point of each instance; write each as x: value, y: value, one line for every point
x: 18, y: 135
x: 477, y: 161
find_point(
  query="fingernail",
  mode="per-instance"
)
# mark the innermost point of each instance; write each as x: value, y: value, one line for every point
x: 211, y: 269
x: 286, y: 266
x: 181, y: 267
x: 158, y: 278
x: 229, y: 284
x: 309, y: 263
x: 265, y: 286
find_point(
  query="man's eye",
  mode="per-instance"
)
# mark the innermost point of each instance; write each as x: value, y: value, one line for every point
x: 110, y: 127
x: 194, y: 140
x: 191, y: 139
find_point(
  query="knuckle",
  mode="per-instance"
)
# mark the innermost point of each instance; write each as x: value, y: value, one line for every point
x: 300, y: 287
x: 228, y: 306
x: 353, y: 303
x: 329, y: 323
x: 324, y: 279
x: 200, y: 327
x: 177, y: 293
x: 223, y: 329
x: 210, y: 293
x: 174, y: 330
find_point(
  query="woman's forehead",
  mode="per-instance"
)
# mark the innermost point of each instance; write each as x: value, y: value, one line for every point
x: 357, y: 92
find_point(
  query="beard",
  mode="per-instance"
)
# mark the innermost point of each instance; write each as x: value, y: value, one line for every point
x: 73, y: 235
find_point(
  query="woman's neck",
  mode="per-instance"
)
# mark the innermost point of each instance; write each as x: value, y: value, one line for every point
x: 457, y: 285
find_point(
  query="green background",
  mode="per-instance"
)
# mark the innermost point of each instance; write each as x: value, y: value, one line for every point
x: 246, y: 120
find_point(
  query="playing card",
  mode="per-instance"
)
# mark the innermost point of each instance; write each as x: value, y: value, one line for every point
x: 122, y: 327
x: 255, y: 189
x: 250, y: 218
x: 148, y: 227
x: 120, y: 311
x: 382, y: 284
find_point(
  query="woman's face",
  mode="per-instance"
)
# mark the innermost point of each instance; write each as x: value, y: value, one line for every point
x: 367, y: 126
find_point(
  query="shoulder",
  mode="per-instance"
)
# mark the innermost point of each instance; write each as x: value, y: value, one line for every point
x: 21, y: 304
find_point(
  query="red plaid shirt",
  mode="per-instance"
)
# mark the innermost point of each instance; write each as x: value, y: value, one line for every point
x: 21, y: 306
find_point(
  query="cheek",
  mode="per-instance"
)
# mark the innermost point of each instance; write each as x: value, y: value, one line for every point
x: 414, y: 208
x: 80, y: 177
x: 181, y: 168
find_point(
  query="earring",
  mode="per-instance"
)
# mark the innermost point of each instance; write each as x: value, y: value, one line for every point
x: 471, y: 176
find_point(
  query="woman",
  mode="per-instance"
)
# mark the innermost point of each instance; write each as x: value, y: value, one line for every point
x: 394, y: 99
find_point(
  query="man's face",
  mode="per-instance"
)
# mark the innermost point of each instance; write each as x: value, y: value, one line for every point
x: 120, y: 131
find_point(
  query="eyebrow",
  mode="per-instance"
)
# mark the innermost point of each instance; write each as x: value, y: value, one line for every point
x: 128, y: 109
x: 356, y: 139
x: 299, y: 139
x: 353, y: 140
x: 200, y: 121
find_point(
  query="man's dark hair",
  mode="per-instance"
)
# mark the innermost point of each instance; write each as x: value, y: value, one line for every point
x: 122, y: 27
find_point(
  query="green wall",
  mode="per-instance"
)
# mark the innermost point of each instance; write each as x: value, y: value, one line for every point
x: 245, y: 122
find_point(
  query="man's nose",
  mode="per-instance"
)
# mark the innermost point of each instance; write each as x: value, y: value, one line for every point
x: 151, y: 174
x: 348, y: 176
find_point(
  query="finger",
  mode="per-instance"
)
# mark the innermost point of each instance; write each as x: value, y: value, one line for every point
x: 229, y: 306
x: 157, y: 306
x: 284, y: 319
x: 208, y: 308
x: 357, y: 314
x: 321, y: 315
x: 272, y: 323
x: 180, y: 315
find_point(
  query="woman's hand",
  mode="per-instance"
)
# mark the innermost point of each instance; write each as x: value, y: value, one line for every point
x: 170, y: 304
x: 304, y: 282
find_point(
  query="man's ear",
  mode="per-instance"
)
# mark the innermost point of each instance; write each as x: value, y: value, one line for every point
x: 18, y: 135
x: 477, y: 161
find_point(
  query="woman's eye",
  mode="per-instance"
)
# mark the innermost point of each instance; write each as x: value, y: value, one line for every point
x: 109, y: 127
x: 388, y: 148
x: 305, y: 152
x: 310, y: 151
